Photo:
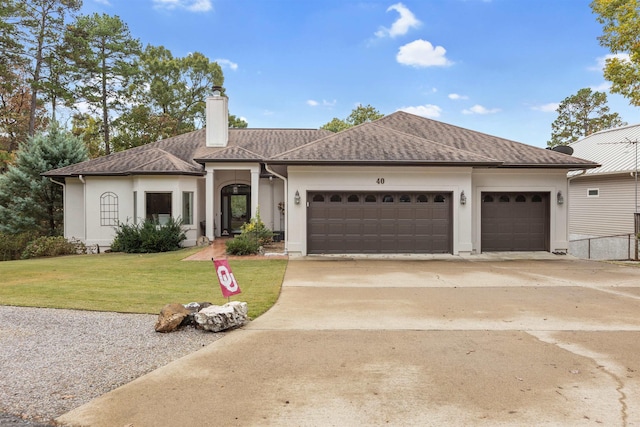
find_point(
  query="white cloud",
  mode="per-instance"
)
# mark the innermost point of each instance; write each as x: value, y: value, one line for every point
x: 546, y: 108
x: 190, y: 5
x: 402, y: 25
x: 602, y: 87
x: 427, y: 110
x: 456, y: 96
x: 325, y: 103
x: 421, y: 53
x: 104, y: 2
x: 225, y: 63
x: 479, y: 109
x: 602, y: 60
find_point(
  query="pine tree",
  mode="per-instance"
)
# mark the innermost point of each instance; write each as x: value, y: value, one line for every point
x: 29, y: 201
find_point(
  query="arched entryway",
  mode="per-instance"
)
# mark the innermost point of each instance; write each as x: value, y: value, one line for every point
x: 236, y: 208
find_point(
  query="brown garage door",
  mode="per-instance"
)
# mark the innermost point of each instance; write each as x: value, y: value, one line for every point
x: 515, y: 222
x: 339, y: 222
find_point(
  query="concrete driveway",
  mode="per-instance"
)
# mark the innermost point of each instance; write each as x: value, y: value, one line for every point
x: 415, y: 342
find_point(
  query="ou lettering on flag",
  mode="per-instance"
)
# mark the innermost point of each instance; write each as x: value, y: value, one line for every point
x: 227, y: 281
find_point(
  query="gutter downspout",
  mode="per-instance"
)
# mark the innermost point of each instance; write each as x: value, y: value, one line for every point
x: 286, y: 211
x: 84, y: 208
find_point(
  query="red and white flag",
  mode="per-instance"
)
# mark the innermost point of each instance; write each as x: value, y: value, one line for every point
x: 227, y: 282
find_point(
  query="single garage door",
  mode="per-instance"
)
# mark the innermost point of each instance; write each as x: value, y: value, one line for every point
x: 515, y: 222
x: 354, y: 222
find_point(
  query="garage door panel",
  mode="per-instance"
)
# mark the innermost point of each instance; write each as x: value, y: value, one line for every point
x: 514, y: 221
x: 379, y: 223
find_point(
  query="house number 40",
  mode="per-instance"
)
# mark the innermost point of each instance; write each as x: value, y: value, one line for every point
x: 380, y: 181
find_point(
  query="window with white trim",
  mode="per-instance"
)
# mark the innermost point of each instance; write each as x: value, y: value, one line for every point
x: 158, y: 207
x: 593, y: 192
x: 135, y: 207
x: 187, y: 208
x: 108, y: 209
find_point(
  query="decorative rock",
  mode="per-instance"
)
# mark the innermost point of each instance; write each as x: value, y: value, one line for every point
x: 171, y: 317
x: 219, y: 318
x: 193, y: 308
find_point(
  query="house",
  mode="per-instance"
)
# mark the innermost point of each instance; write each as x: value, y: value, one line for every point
x: 401, y: 184
x: 604, y: 201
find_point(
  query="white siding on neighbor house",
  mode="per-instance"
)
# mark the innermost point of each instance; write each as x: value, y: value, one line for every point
x: 525, y: 180
x: 335, y: 178
x: 609, y: 214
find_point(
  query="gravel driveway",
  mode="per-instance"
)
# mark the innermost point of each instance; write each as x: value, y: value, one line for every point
x: 56, y: 360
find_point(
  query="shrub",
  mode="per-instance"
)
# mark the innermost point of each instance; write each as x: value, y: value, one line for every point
x: 49, y: 246
x: 13, y: 245
x: 256, y: 230
x: 241, y: 245
x: 253, y: 235
x: 148, y: 237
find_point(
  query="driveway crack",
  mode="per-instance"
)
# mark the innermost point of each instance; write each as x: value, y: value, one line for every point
x: 603, y: 363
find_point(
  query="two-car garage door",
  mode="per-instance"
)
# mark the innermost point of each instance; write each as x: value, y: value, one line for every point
x: 393, y: 222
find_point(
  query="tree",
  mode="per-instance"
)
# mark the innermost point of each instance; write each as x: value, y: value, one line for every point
x: 10, y: 47
x: 28, y: 201
x: 580, y: 115
x: 89, y: 130
x: 177, y: 87
x: 335, y: 125
x: 237, y: 122
x: 359, y: 115
x: 15, y: 107
x: 169, y: 97
x: 42, y: 25
x: 105, y: 59
x: 621, y: 35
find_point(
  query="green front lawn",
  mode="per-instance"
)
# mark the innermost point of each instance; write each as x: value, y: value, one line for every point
x: 137, y: 283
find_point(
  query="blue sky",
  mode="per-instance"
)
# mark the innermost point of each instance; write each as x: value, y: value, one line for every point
x: 494, y: 66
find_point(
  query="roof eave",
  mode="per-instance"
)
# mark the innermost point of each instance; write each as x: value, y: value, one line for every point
x: 203, y: 161
x: 549, y: 166
x: 128, y: 173
x: 381, y: 163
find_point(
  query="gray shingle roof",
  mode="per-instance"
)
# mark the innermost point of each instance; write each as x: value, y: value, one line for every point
x: 510, y: 153
x: 372, y: 143
x: 399, y: 138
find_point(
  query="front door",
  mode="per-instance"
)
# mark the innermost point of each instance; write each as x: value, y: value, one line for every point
x: 236, y: 208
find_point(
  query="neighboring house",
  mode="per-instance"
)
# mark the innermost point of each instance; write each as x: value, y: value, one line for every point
x: 401, y: 184
x: 603, y: 201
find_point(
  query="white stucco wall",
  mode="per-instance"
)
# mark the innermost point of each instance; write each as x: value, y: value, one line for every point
x: 313, y: 178
x: 547, y: 180
x: 74, y: 226
x: 271, y: 193
x: 124, y: 188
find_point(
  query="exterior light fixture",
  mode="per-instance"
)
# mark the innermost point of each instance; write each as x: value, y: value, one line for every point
x: 296, y: 198
x: 559, y: 198
x: 463, y: 198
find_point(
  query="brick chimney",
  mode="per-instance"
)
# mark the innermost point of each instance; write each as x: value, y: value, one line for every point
x: 217, y: 126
